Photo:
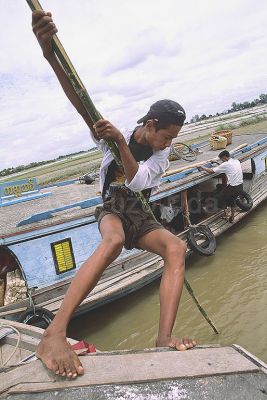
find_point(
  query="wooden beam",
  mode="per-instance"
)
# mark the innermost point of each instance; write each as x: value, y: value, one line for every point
x: 132, y: 368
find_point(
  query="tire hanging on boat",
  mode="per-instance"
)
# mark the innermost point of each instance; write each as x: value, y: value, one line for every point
x: 39, y: 317
x: 244, y: 201
x: 202, y: 233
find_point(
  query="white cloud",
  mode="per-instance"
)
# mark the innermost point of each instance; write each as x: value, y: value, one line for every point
x: 205, y: 54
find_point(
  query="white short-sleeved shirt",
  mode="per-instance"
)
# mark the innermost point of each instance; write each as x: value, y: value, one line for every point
x: 233, y: 170
x: 149, y: 172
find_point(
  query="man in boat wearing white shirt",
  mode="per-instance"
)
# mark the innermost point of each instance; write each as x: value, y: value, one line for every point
x: 233, y: 171
x: 121, y: 219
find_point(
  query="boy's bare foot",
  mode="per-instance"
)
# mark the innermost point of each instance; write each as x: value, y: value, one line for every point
x: 183, y: 344
x: 57, y: 355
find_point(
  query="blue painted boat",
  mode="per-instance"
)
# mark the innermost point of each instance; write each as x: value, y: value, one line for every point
x: 47, y: 239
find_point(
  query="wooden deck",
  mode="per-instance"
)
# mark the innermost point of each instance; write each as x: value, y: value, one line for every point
x: 202, y: 373
x: 205, y: 372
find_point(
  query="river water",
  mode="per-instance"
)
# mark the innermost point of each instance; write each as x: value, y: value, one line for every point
x: 231, y: 285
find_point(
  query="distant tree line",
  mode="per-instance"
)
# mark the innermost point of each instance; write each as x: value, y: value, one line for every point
x: 196, y: 118
x: 19, y: 168
x: 234, y: 107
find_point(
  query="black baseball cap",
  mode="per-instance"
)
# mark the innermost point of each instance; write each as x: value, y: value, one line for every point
x: 165, y: 109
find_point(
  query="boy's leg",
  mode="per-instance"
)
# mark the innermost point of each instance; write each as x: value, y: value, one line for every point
x: 172, y: 250
x: 53, y: 349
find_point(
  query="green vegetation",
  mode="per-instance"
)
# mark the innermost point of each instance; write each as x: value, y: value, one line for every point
x: 224, y: 127
x: 248, y: 121
x: 68, y: 168
x: 33, y: 165
x: 253, y: 120
x: 234, y: 107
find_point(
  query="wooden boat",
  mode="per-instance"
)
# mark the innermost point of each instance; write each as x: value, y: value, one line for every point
x: 46, y: 240
x: 211, y: 372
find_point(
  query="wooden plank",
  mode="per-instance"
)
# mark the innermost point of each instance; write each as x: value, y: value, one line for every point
x: 12, y: 312
x: 25, y: 341
x: 250, y: 356
x: 30, y: 336
x: 23, y: 328
x: 32, y: 372
x: 139, y: 367
x: 7, y: 350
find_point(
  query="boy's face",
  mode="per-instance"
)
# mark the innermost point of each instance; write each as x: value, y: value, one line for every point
x: 159, y: 140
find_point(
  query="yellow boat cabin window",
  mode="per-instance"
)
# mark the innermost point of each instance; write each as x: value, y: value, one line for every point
x: 63, y: 256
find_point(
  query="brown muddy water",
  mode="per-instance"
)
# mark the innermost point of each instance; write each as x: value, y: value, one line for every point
x: 231, y: 285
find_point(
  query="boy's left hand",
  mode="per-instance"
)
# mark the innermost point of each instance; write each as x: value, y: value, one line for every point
x: 105, y: 130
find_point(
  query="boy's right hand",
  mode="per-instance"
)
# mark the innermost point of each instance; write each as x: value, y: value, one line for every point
x: 44, y: 29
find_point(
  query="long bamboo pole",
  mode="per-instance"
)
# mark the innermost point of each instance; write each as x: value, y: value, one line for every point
x: 94, y: 115
x: 201, y: 309
x: 84, y: 97
x: 76, y: 82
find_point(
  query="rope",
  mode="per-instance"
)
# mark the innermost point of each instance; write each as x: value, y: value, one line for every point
x: 31, y: 300
x: 18, y: 341
x: 93, y: 113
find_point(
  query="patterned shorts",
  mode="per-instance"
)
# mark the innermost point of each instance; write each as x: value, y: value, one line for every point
x: 136, y: 222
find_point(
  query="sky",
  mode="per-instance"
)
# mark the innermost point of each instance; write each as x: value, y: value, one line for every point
x: 205, y: 54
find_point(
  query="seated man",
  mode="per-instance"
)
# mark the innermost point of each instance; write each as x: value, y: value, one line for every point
x: 233, y: 171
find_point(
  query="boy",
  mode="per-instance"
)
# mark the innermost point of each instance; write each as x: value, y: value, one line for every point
x: 121, y: 219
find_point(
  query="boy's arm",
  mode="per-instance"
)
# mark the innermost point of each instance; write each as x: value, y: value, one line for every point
x: 44, y: 29
x: 105, y: 130
x: 139, y: 177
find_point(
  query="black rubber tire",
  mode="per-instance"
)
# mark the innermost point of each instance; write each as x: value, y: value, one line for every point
x: 41, y: 318
x: 208, y: 247
x: 244, y: 201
